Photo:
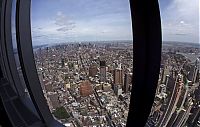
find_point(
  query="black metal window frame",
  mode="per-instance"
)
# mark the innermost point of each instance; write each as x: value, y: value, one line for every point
x: 8, y: 64
x: 147, y: 46
x: 146, y: 63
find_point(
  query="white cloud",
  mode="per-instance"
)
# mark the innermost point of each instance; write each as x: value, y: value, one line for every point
x: 65, y: 24
x: 94, y: 20
x: 180, y: 21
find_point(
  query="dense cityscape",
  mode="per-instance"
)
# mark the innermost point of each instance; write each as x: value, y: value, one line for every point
x: 79, y: 63
x: 177, y: 100
x: 89, y: 83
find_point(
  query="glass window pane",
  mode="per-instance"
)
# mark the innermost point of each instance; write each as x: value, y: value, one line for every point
x: 84, y: 54
x: 177, y: 101
x: 25, y: 96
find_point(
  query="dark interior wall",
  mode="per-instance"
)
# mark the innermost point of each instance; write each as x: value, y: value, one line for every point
x: 4, y: 121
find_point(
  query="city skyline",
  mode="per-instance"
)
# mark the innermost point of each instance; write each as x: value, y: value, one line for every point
x: 92, y: 83
x: 81, y: 67
x: 70, y: 21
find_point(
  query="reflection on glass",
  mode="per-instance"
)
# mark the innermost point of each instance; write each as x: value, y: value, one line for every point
x: 14, y: 43
x: 84, y: 53
x: 177, y: 100
x: 25, y: 96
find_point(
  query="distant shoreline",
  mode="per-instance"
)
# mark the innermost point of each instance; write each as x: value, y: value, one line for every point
x: 169, y: 43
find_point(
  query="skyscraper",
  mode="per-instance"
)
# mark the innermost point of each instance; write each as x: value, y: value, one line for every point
x: 127, y: 82
x: 118, y: 80
x: 118, y: 76
x: 93, y: 70
x: 62, y: 62
x: 183, y: 116
x: 102, y: 71
x: 171, y: 107
x: 192, y: 76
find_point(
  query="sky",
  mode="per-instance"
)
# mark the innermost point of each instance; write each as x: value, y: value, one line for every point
x: 59, y: 21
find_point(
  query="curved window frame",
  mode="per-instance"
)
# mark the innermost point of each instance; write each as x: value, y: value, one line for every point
x: 147, y: 45
x: 146, y: 58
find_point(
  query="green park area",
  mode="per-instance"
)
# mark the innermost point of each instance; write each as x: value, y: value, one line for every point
x: 61, y: 113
